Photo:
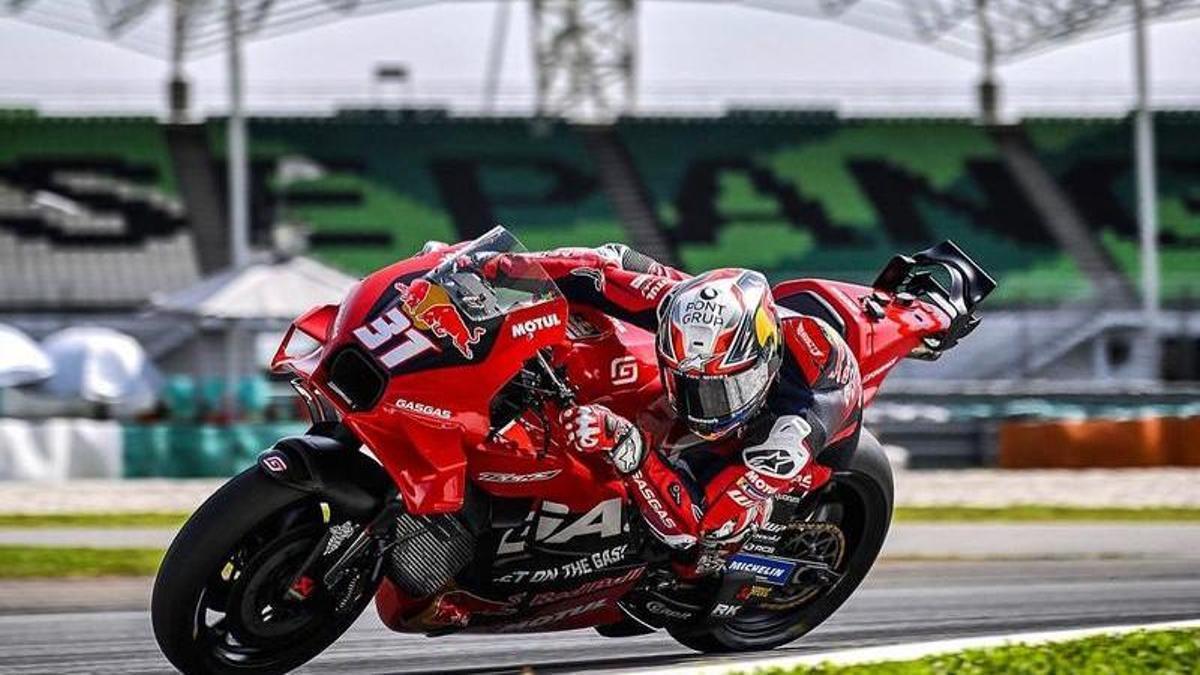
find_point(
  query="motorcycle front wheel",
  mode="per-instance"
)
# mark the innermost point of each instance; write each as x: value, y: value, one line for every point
x: 226, y: 598
x: 857, y: 511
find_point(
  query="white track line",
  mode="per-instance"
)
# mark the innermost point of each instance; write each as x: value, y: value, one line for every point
x: 912, y: 650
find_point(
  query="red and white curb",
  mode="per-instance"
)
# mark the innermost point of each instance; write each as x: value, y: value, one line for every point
x: 909, y: 651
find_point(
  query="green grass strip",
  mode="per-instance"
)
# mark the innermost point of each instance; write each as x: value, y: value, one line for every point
x: 22, y: 562
x: 1037, y: 513
x: 1139, y: 653
x: 93, y: 520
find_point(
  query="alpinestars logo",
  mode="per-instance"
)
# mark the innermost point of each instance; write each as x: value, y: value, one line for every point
x: 802, y: 332
x: 528, y: 328
x: 778, y: 462
x: 628, y: 454
x: 650, y: 285
x: 783, y: 454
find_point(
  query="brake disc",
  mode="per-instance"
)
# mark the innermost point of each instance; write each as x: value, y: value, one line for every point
x: 820, y: 543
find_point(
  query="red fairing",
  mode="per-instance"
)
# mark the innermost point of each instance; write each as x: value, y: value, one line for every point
x: 424, y: 450
x: 547, y: 611
x: 427, y: 419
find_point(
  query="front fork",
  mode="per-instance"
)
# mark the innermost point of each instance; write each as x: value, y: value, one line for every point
x: 337, y: 553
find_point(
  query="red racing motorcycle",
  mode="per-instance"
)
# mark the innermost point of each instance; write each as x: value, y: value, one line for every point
x: 429, y: 483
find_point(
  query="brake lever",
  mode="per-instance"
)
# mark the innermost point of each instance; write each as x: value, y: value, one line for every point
x: 563, y: 391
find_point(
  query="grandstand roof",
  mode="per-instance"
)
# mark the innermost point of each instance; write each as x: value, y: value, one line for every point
x: 1019, y: 27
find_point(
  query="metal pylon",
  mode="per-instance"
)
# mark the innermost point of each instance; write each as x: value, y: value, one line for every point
x: 584, y: 52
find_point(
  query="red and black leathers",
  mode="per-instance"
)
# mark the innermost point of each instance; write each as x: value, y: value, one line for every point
x: 692, y: 490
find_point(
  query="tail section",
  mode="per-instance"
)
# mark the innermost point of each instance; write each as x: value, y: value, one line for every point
x: 946, y: 277
x: 918, y: 307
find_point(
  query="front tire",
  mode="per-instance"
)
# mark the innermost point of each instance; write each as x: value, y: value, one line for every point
x: 862, y: 496
x: 218, y: 604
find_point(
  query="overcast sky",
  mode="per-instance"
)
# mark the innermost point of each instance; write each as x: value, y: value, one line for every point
x: 707, y: 45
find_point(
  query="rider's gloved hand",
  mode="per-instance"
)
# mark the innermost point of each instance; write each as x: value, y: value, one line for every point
x: 511, y: 265
x: 595, y: 429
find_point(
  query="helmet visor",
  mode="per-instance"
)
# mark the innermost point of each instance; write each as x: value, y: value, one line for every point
x: 709, y: 398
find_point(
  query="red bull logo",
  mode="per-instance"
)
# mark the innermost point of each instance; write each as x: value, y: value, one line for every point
x: 431, y: 310
x: 457, y: 607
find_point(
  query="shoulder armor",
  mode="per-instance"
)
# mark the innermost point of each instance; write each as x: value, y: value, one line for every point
x: 784, y: 453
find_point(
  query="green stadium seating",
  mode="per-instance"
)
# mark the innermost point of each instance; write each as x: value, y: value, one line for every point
x: 813, y: 195
x: 134, y: 148
x: 89, y: 213
x: 392, y: 182
x: 801, y: 193
x: 1093, y: 161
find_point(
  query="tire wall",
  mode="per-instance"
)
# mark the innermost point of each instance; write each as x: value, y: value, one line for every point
x: 1159, y: 441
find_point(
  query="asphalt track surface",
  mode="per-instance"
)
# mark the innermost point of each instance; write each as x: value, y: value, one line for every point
x: 905, y: 540
x: 900, y: 602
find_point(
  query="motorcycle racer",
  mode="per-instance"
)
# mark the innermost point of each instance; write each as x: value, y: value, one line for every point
x: 451, y: 412
x: 758, y: 391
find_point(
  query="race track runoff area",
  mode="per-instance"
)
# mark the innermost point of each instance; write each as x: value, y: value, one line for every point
x: 900, y: 603
x: 937, y: 581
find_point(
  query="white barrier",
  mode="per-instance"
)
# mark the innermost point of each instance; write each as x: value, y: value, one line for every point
x: 59, y: 449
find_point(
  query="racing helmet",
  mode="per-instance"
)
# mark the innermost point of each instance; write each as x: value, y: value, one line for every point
x: 718, y: 349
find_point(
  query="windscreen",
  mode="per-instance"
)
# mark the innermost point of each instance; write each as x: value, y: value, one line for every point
x: 486, y: 280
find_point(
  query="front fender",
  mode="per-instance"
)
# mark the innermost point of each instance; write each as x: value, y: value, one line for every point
x: 328, y: 462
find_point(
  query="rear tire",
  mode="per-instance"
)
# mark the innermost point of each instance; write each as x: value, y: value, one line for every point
x: 864, y: 483
x: 269, y: 528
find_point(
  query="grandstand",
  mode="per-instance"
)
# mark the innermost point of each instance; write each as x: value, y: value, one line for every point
x: 391, y: 182
x: 1090, y: 159
x: 789, y: 193
x: 99, y: 213
x: 829, y: 196
x: 89, y: 217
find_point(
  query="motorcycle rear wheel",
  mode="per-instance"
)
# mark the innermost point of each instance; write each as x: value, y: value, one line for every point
x: 863, y: 490
x: 219, y: 602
